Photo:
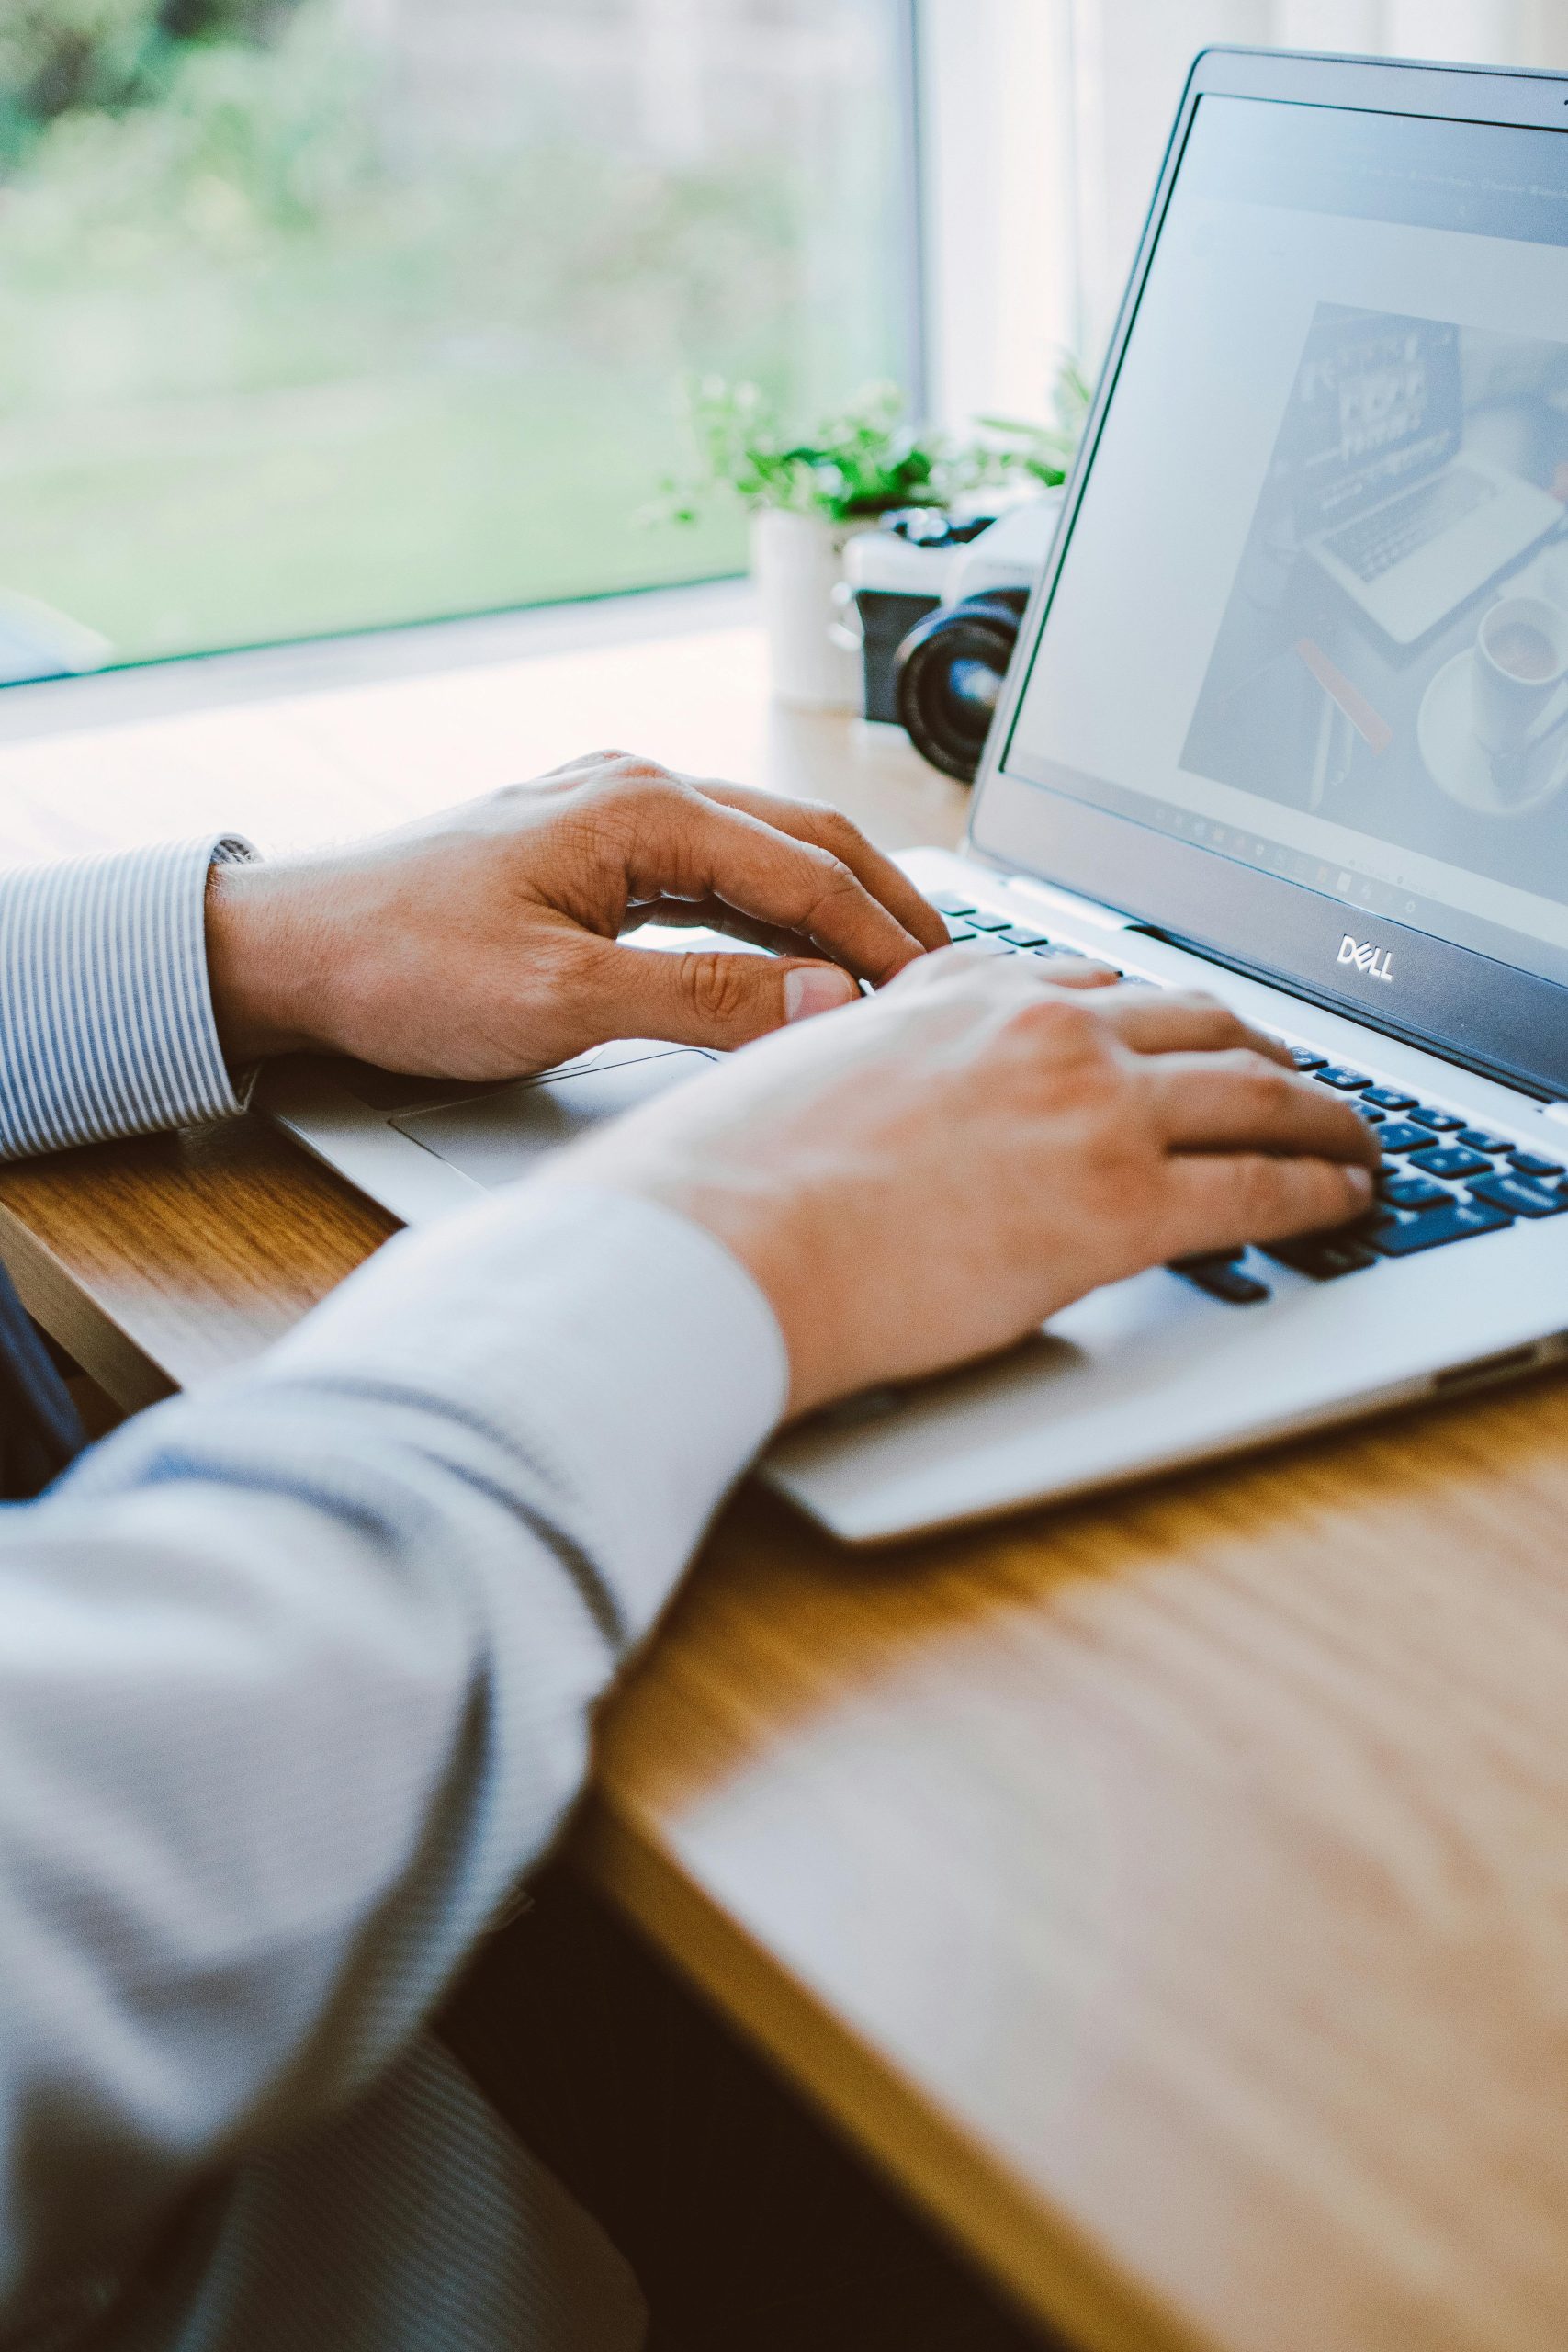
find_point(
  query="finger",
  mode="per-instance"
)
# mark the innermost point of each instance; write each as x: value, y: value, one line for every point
x: 1071, y: 971
x: 1166, y: 1021
x: 1012, y: 980
x: 805, y: 821
x: 687, y: 845
x: 1230, y: 1101
x: 705, y: 998
x: 1220, y: 1201
x: 830, y: 828
x: 712, y: 914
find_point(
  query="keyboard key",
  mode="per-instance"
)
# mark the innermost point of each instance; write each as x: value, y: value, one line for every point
x: 1225, y: 1281
x: 1413, y: 1193
x: 1398, y: 1135
x: 978, y: 920
x: 978, y: 945
x: 1323, y: 1256
x: 1388, y: 1098
x: 1373, y: 1118
x: 958, y: 933
x: 1401, y: 1236
x: 1451, y: 1160
x: 1530, y: 1163
x: 1305, y: 1058
x: 946, y: 904
x: 1346, y: 1080
x: 1016, y: 935
x: 1520, y: 1195
x: 1442, y: 1122
x: 1481, y: 1139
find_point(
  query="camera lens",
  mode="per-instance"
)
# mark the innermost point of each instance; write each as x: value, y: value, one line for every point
x: 971, y: 690
x: 948, y: 676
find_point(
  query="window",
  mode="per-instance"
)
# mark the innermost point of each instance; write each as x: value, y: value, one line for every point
x: 316, y: 314
x: 1046, y: 120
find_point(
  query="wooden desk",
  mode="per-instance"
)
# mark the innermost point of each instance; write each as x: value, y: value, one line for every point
x: 1171, y: 1892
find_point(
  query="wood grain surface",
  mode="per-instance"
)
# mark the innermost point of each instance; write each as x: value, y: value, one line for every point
x: 1171, y: 1892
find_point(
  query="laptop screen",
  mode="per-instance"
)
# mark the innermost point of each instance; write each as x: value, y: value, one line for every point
x: 1313, y: 616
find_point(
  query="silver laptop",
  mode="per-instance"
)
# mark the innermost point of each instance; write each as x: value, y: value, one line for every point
x: 1214, y: 765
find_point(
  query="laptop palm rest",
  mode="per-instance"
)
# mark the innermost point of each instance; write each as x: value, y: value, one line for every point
x: 495, y: 1138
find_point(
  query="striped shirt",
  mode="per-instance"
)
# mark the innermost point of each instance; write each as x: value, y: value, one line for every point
x: 107, y: 1025
x: 296, y: 1681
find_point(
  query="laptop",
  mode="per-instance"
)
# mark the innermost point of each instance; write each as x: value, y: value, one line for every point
x: 1153, y: 791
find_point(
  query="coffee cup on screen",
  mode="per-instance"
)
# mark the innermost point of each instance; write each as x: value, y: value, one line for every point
x: 1521, y: 658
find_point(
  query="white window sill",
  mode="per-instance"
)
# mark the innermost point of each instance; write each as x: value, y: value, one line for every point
x: 216, y: 680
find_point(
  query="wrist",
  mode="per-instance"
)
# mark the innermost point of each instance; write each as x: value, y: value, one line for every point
x: 263, y: 962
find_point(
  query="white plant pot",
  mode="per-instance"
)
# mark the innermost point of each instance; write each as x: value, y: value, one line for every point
x: 797, y: 562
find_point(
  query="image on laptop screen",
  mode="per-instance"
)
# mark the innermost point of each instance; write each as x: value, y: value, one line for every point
x: 1314, y: 613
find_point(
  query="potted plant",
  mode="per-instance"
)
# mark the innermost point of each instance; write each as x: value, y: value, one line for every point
x: 806, y: 493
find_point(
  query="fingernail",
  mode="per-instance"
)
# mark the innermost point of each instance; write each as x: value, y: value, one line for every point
x: 816, y: 988
x: 1360, y: 1181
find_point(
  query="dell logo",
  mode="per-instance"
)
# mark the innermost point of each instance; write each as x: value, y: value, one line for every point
x: 1377, y: 963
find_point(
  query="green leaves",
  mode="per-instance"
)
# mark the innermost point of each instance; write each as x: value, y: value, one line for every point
x: 864, y: 459
x: 1045, y: 451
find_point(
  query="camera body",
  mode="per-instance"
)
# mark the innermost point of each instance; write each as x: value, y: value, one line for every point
x: 939, y: 597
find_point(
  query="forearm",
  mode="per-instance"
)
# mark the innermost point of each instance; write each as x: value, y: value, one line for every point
x: 106, y: 1025
x: 298, y: 1676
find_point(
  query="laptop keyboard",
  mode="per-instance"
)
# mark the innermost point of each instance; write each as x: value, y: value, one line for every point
x: 1377, y: 541
x: 1440, y: 1180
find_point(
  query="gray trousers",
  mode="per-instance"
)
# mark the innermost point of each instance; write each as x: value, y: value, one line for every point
x: 415, y: 2222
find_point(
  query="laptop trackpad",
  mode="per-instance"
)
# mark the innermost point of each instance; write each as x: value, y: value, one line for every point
x: 495, y: 1138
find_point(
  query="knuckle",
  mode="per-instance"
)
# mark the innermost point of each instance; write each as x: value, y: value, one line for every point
x: 1064, y: 1021
x: 1272, y: 1086
x: 1255, y: 1182
x: 634, y: 769
x: 717, y: 986
x: 840, y: 832
x: 833, y: 878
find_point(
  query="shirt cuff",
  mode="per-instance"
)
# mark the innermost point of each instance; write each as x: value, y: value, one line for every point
x: 107, y: 1025
x: 617, y: 1348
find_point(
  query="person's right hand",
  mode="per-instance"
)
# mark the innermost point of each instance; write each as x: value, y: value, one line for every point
x: 928, y: 1175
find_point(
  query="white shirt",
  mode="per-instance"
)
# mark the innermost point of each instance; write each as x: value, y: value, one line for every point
x: 296, y: 1674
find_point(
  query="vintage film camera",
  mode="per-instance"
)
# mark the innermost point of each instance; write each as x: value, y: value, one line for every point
x: 937, y: 599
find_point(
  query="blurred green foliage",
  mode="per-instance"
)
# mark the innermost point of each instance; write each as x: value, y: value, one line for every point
x: 867, y: 458
x: 283, y: 348
x: 61, y: 57
x: 233, y: 193
x: 864, y: 458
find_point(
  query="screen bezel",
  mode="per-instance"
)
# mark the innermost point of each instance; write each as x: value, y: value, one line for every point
x: 1480, y: 1011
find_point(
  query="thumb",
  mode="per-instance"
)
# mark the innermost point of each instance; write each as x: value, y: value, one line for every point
x: 707, y: 997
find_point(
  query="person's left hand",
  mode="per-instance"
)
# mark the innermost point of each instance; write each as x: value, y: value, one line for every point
x: 484, y: 943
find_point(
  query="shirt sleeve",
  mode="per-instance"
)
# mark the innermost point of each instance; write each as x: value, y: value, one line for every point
x: 107, y: 1025
x: 297, y: 1678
